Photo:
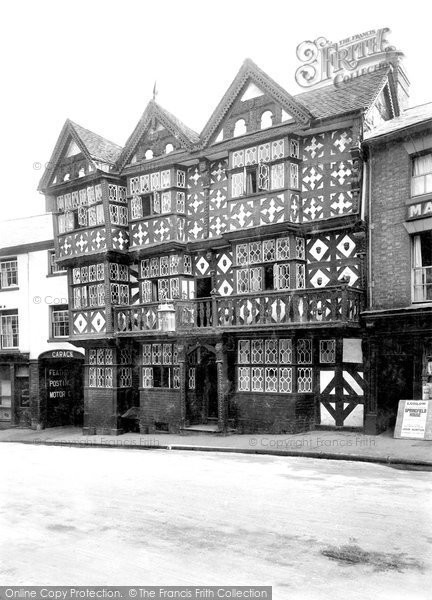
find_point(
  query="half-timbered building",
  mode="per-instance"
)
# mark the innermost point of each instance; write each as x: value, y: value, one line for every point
x: 218, y: 278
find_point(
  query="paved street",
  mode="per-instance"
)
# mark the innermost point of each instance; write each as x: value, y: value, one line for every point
x: 79, y: 516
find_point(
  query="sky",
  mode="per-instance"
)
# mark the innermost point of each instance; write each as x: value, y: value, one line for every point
x: 96, y: 63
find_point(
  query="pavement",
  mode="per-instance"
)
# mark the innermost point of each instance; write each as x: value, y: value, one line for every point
x: 335, y: 445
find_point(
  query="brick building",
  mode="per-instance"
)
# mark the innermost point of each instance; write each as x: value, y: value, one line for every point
x: 398, y: 320
x: 40, y: 372
x: 218, y: 278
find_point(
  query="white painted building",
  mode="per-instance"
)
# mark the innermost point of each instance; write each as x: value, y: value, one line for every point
x: 34, y: 324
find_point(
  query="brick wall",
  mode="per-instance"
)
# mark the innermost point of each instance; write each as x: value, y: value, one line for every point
x: 160, y: 407
x: 272, y: 413
x: 391, y: 248
x: 100, y: 413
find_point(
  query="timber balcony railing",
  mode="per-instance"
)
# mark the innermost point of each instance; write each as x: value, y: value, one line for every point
x: 338, y: 304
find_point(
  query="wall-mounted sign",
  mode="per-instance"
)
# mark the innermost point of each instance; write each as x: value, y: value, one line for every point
x: 61, y: 354
x: 58, y: 385
x: 414, y: 420
x: 419, y: 210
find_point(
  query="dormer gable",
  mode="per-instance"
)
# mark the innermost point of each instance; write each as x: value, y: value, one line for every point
x: 157, y: 133
x: 253, y: 102
x: 78, y: 152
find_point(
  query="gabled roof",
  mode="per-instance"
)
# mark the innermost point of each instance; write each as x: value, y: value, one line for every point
x: 99, y: 148
x: 250, y: 71
x: 93, y: 146
x: 409, y: 118
x: 356, y: 94
x: 187, y: 137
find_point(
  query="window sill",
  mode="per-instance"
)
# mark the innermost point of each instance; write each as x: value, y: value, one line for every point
x: 61, y: 274
x: 420, y: 198
x: 10, y: 289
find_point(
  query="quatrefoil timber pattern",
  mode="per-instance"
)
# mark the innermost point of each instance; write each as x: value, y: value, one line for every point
x: 327, y: 176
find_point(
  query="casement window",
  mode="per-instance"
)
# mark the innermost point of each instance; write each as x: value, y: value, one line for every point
x: 277, y: 176
x: 59, y: 321
x: 8, y: 273
x: 160, y: 366
x: 154, y: 204
x: 9, y: 330
x: 101, y: 369
x: 421, y: 182
x: 294, y: 151
x: 256, y: 174
x: 84, y: 208
x: 422, y: 267
x: 327, y: 351
x: 252, y: 180
x: 158, y: 283
x: 261, y: 265
x: 118, y: 214
x: 274, y: 366
x: 91, y: 295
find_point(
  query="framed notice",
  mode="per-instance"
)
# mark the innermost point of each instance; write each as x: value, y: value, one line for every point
x: 414, y: 420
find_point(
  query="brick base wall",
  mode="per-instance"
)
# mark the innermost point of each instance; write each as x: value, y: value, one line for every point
x: 160, y: 408
x: 272, y: 413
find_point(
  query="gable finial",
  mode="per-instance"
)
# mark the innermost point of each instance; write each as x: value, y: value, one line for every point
x: 155, y: 92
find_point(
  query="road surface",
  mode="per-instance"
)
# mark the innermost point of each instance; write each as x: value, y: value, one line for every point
x: 87, y: 516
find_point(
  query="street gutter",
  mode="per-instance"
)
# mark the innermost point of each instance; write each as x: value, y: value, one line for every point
x: 384, y: 460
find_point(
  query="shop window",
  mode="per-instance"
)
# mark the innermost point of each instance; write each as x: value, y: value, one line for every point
x: 421, y: 182
x: 422, y: 267
x: 59, y: 321
x: 9, y: 329
x: 8, y: 273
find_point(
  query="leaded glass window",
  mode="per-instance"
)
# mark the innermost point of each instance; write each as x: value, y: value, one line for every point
x: 304, y: 351
x: 244, y: 351
x: 327, y: 351
x: 300, y: 277
x: 238, y: 159
x: 294, y: 176
x: 237, y: 184
x: 285, y: 351
x: 271, y: 379
x: 277, y: 176
x: 243, y: 379
x: 304, y: 380
x: 271, y: 351
x: 145, y: 184
x: 283, y: 248
x: 257, y: 379
x: 264, y: 153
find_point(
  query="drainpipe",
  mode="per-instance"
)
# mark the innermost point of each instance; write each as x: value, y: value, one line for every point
x: 370, y: 229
